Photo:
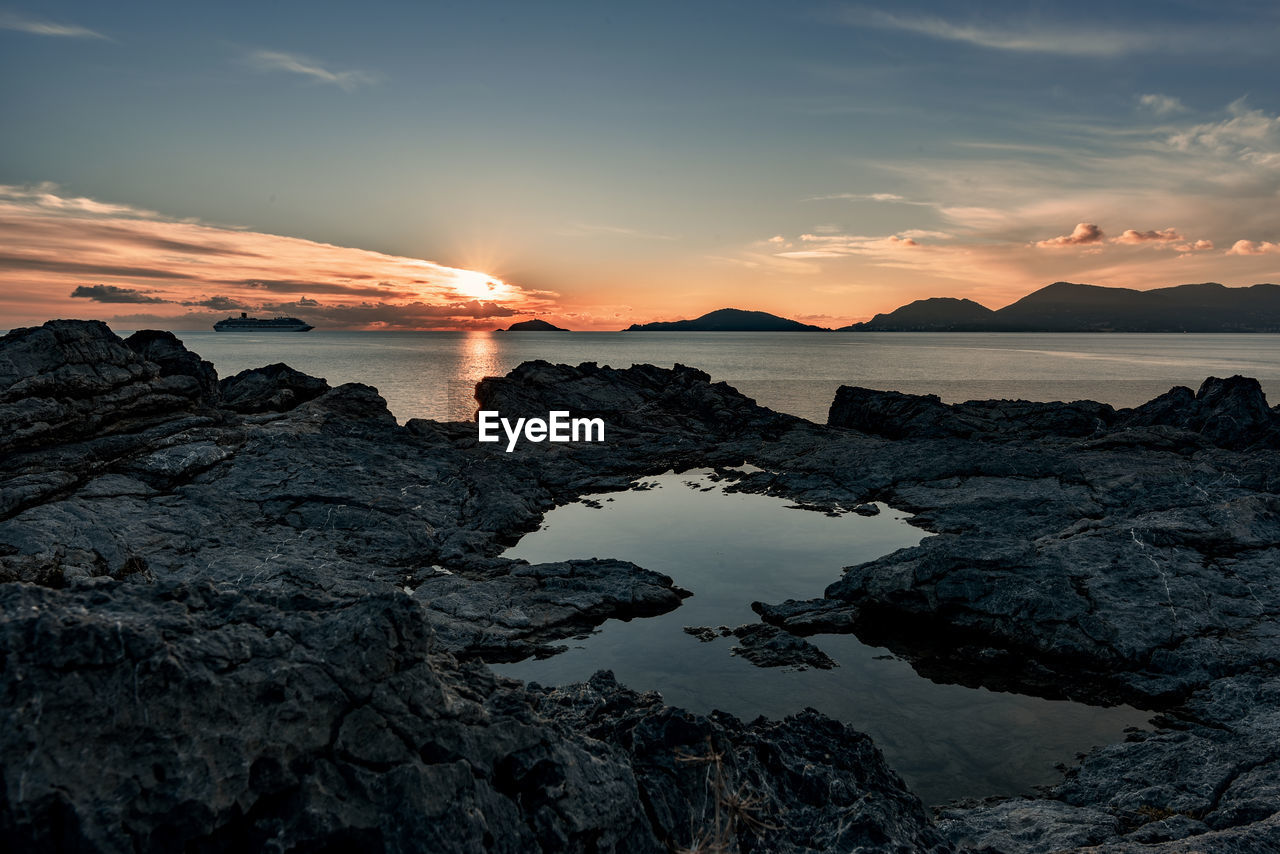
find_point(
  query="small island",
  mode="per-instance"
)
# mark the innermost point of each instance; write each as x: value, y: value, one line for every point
x: 728, y: 320
x: 534, y: 325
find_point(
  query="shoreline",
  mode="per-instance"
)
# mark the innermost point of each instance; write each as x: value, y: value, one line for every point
x: 273, y: 543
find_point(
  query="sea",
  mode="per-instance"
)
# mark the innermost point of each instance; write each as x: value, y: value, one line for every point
x: 433, y: 374
x: 947, y: 741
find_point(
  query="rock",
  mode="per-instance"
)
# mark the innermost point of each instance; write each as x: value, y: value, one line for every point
x: 70, y: 380
x: 174, y: 359
x: 642, y: 398
x: 275, y: 388
x: 510, y: 612
x: 215, y: 719
x: 1230, y: 413
x: 769, y: 646
x: 804, y: 784
x: 891, y: 414
x: 895, y: 415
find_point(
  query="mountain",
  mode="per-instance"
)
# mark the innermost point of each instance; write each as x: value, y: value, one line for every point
x: 728, y: 320
x: 534, y: 325
x: 1070, y: 307
x: 936, y: 314
x: 1208, y: 307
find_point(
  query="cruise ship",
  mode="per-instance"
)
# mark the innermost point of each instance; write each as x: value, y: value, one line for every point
x: 245, y: 323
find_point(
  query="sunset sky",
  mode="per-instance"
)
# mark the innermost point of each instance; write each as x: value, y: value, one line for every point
x: 451, y: 165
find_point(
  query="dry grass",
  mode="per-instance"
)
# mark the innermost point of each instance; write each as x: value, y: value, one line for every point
x: 735, y: 809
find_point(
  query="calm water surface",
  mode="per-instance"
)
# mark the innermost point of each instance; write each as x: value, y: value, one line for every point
x: 433, y: 374
x: 947, y: 741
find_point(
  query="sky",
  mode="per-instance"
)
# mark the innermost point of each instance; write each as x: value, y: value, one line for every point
x: 446, y: 165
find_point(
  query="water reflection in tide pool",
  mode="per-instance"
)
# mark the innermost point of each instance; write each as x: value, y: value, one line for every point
x: 947, y: 741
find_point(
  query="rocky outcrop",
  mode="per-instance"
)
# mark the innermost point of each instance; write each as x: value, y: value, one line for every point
x: 1229, y: 413
x: 804, y: 784
x: 274, y: 388
x: 211, y: 718
x: 72, y: 380
x: 166, y: 350
x: 681, y: 402
x: 895, y: 415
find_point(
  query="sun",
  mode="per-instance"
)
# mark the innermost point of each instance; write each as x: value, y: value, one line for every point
x: 476, y: 285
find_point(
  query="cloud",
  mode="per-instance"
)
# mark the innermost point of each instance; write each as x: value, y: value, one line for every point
x: 10, y: 21
x: 845, y: 245
x: 112, y: 293
x: 218, y: 303
x: 869, y: 197
x: 1132, y: 237
x: 47, y: 197
x: 274, y: 60
x: 1252, y: 247
x: 290, y: 286
x: 26, y: 262
x: 1062, y: 40
x: 1161, y: 105
x: 50, y: 245
x: 1083, y: 234
x: 1249, y: 135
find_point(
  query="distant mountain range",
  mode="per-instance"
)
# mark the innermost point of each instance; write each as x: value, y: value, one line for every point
x: 1068, y: 307
x: 729, y: 320
x: 1060, y: 307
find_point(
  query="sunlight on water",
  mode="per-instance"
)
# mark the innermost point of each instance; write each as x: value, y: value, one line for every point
x: 947, y: 741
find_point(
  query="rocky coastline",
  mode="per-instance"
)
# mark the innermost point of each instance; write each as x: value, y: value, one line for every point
x: 255, y: 612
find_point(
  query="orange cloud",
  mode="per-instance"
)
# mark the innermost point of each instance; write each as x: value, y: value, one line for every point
x: 1163, y: 235
x: 63, y: 256
x: 1252, y: 247
x: 1083, y: 234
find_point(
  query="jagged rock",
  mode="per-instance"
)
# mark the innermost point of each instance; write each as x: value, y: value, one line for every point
x: 207, y: 718
x: 895, y: 415
x: 70, y: 380
x: 166, y: 350
x: 705, y: 634
x: 804, y: 784
x: 891, y: 414
x: 1230, y: 413
x: 641, y: 398
x: 274, y: 388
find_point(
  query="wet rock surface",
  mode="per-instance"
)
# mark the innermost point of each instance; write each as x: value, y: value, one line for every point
x: 765, y: 645
x: 769, y: 646
x: 252, y: 614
